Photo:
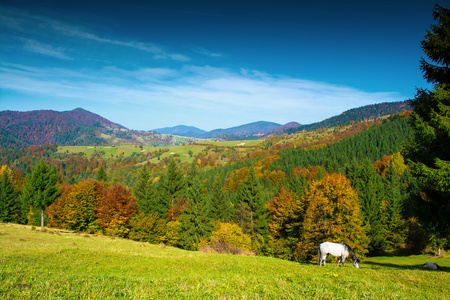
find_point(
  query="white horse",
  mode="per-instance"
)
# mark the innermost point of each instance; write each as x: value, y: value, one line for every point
x: 340, y: 250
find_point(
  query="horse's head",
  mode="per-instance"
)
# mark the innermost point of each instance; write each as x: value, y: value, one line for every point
x: 356, y: 262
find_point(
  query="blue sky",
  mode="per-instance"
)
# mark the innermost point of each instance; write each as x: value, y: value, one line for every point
x: 210, y: 64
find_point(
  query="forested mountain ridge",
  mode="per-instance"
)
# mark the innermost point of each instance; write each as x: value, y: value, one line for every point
x: 21, y: 129
x: 75, y: 127
x: 254, y: 128
x: 356, y: 114
x: 263, y: 129
x: 367, y: 112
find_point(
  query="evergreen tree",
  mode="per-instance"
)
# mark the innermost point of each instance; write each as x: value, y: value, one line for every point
x: 40, y: 190
x: 173, y: 186
x: 192, y: 174
x: 429, y: 154
x: 8, y: 198
x: 220, y: 208
x: 370, y: 190
x: 101, y: 174
x: 159, y: 202
x: 195, y: 224
x: 143, y: 192
x: 251, y: 214
x: 393, y: 222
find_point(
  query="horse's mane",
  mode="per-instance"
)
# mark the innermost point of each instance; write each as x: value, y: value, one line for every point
x: 350, y: 251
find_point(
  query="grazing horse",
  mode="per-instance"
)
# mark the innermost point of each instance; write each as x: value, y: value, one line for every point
x: 340, y: 250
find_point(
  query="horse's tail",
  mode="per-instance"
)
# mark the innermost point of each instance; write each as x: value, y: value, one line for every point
x: 319, y: 255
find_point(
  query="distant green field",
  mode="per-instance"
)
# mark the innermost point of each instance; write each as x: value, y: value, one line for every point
x: 115, y: 151
x: 64, y: 265
x: 182, y: 151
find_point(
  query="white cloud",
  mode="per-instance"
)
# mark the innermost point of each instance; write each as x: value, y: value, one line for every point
x: 206, y: 52
x: 44, y: 49
x: 222, y: 99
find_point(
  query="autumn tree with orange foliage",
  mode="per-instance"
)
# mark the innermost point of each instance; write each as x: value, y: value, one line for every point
x: 285, y: 212
x: 332, y: 214
x: 115, y: 209
x: 237, y: 177
x: 75, y: 209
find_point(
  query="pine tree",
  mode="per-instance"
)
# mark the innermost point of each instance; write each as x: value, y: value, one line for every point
x: 143, y: 191
x: 8, y: 198
x: 195, y: 224
x: 41, y: 189
x: 221, y: 208
x: 101, y: 175
x: 393, y: 222
x: 173, y: 187
x: 251, y: 213
x: 428, y: 155
x: 370, y: 190
x: 159, y: 199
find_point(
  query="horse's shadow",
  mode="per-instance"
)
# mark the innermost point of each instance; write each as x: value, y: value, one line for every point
x: 404, y: 267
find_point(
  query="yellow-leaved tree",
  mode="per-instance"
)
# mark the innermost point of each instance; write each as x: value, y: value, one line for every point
x: 333, y: 214
x: 285, y: 212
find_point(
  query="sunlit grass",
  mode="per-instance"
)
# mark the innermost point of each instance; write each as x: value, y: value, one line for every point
x: 65, y: 265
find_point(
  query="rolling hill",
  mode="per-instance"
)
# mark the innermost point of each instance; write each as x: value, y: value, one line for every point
x: 81, y: 127
x: 72, y: 128
x: 181, y: 130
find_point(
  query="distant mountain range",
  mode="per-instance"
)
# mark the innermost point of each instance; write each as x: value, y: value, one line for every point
x: 262, y: 129
x: 181, y: 130
x: 247, y: 129
x: 81, y: 127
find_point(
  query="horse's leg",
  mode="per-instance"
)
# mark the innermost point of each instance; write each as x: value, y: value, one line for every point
x: 339, y: 260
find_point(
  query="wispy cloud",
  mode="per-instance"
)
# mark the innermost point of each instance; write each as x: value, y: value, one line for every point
x: 206, y: 52
x: 44, y: 49
x: 42, y: 26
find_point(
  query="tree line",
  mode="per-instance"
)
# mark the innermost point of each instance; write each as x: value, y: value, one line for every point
x: 279, y: 203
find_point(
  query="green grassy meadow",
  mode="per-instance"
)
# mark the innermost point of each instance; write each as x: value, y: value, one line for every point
x: 183, y: 152
x: 55, y: 264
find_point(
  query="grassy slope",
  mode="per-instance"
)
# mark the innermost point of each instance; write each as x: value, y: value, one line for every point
x: 62, y: 265
x: 127, y: 150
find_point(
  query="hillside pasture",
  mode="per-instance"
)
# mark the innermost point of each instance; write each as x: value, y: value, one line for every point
x: 57, y: 264
x: 184, y: 152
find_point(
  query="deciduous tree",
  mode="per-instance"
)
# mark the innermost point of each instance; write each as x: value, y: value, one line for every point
x: 333, y: 214
x: 285, y: 212
x: 115, y: 209
x: 75, y: 209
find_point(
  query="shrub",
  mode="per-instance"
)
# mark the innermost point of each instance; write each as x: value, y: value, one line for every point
x: 228, y: 239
